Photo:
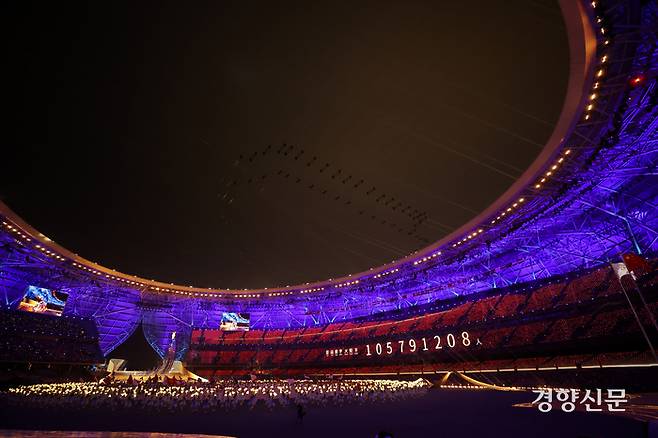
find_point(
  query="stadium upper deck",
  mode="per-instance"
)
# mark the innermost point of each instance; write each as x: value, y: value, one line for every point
x: 590, y: 196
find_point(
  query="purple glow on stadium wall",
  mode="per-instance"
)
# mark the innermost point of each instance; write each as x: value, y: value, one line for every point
x: 600, y: 201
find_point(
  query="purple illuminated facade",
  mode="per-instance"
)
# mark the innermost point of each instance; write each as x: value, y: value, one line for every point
x: 590, y: 196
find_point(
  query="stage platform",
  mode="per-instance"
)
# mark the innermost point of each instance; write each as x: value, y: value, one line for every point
x: 174, y: 370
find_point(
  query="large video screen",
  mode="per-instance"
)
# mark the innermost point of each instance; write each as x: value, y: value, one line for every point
x: 42, y: 300
x: 234, y: 321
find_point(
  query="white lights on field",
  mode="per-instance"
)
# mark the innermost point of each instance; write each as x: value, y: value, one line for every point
x: 226, y: 393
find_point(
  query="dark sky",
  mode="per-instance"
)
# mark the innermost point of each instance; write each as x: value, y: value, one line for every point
x: 148, y: 136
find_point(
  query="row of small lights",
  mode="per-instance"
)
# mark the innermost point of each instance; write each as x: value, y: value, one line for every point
x: 175, y: 291
x: 348, y: 283
x: 594, y: 95
x: 93, y: 271
x: 180, y: 292
x: 16, y: 231
x: 554, y: 167
x: 511, y: 388
x: 463, y: 387
x: 508, y: 210
x: 45, y: 251
x: 428, y: 258
x: 136, y: 283
x: 514, y: 387
x: 588, y: 109
x: 48, y: 252
x: 469, y: 237
x: 383, y: 274
x: 307, y: 291
x: 279, y: 294
x: 552, y: 170
x: 600, y: 72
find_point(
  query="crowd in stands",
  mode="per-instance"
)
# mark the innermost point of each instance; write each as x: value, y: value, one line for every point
x: 561, y: 311
x: 36, y: 338
x: 501, y: 322
x: 206, y: 397
x: 548, y: 297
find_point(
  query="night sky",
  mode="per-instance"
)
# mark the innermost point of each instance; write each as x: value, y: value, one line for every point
x: 254, y: 144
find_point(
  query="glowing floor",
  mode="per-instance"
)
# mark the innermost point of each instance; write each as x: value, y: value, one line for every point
x: 447, y: 413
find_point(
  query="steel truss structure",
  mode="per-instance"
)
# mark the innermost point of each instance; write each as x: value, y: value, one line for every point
x: 591, y: 196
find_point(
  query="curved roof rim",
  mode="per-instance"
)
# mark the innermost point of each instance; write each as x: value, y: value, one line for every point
x: 582, y: 49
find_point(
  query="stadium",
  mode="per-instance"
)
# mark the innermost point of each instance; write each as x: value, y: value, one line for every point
x: 554, y: 285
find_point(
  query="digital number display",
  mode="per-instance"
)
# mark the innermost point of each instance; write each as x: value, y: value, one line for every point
x: 411, y: 345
